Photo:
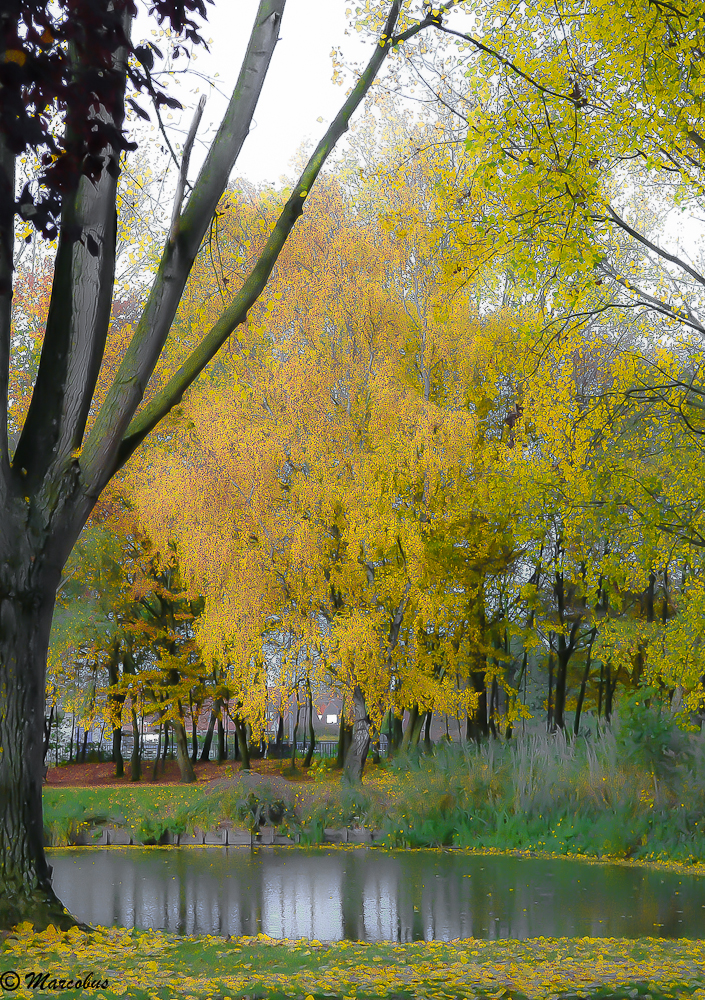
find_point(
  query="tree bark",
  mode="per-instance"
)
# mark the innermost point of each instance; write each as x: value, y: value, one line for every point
x: 583, y: 684
x: 477, y: 728
x: 188, y: 775
x: 344, y: 740
x: 206, y: 751
x: 397, y: 734
x: 221, y: 738
x: 311, y: 734
x: 295, y: 733
x: 244, y: 749
x: 411, y: 725
x: 135, y: 759
x: 549, y: 703
x: 357, y: 754
x: 155, y: 768
x: 428, y: 746
x: 25, y: 877
x: 116, y: 701
x: 84, y: 746
x: 280, y: 735
x: 195, y: 715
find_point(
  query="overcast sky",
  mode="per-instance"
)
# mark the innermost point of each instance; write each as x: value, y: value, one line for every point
x: 298, y: 89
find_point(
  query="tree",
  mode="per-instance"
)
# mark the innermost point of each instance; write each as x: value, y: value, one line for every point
x: 64, y: 74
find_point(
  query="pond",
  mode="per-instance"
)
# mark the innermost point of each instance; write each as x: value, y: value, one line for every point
x: 370, y: 895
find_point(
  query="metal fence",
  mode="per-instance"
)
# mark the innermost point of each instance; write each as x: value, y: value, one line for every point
x: 103, y: 749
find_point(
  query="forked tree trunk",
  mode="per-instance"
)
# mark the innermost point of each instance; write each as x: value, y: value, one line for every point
x: 357, y: 754
x: 25, y: 876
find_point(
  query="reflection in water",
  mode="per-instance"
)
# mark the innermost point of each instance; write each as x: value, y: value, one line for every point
x: 373, y: 895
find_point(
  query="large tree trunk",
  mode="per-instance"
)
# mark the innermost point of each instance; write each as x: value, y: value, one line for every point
x: 397, y: 734
x: 295, y: 734
x: 357, y: 754
x: 25, y: 877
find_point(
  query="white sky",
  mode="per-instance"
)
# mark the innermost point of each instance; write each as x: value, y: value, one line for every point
x: 298, y: 89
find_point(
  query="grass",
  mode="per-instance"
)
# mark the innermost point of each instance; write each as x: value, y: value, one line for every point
x: 618, y: 795
x: 149, y: 965
x: 151, y: 812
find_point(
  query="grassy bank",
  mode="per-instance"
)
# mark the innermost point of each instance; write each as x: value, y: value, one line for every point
x: 155, y: 966
x: 611, y: 795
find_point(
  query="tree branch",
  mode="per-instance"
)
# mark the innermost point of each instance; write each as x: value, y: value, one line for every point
x: 183, y: 171
x: 126, y: 392
x: 81, y: 300
x: 509, y: 64
x: 237, y: 311
x: 652, y: 246
x: 683, y: 315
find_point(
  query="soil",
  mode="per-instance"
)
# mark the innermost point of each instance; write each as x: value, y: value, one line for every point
x: 95, y: 775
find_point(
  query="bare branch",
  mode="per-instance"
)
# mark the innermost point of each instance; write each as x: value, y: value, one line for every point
x: 651, y: 246
x: 508, y: 63
x: 681, y: 315
x: 127, y: 390
x: 183, y: 171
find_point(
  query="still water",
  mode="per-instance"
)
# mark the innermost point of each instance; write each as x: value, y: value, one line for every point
x: 373, y: 895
